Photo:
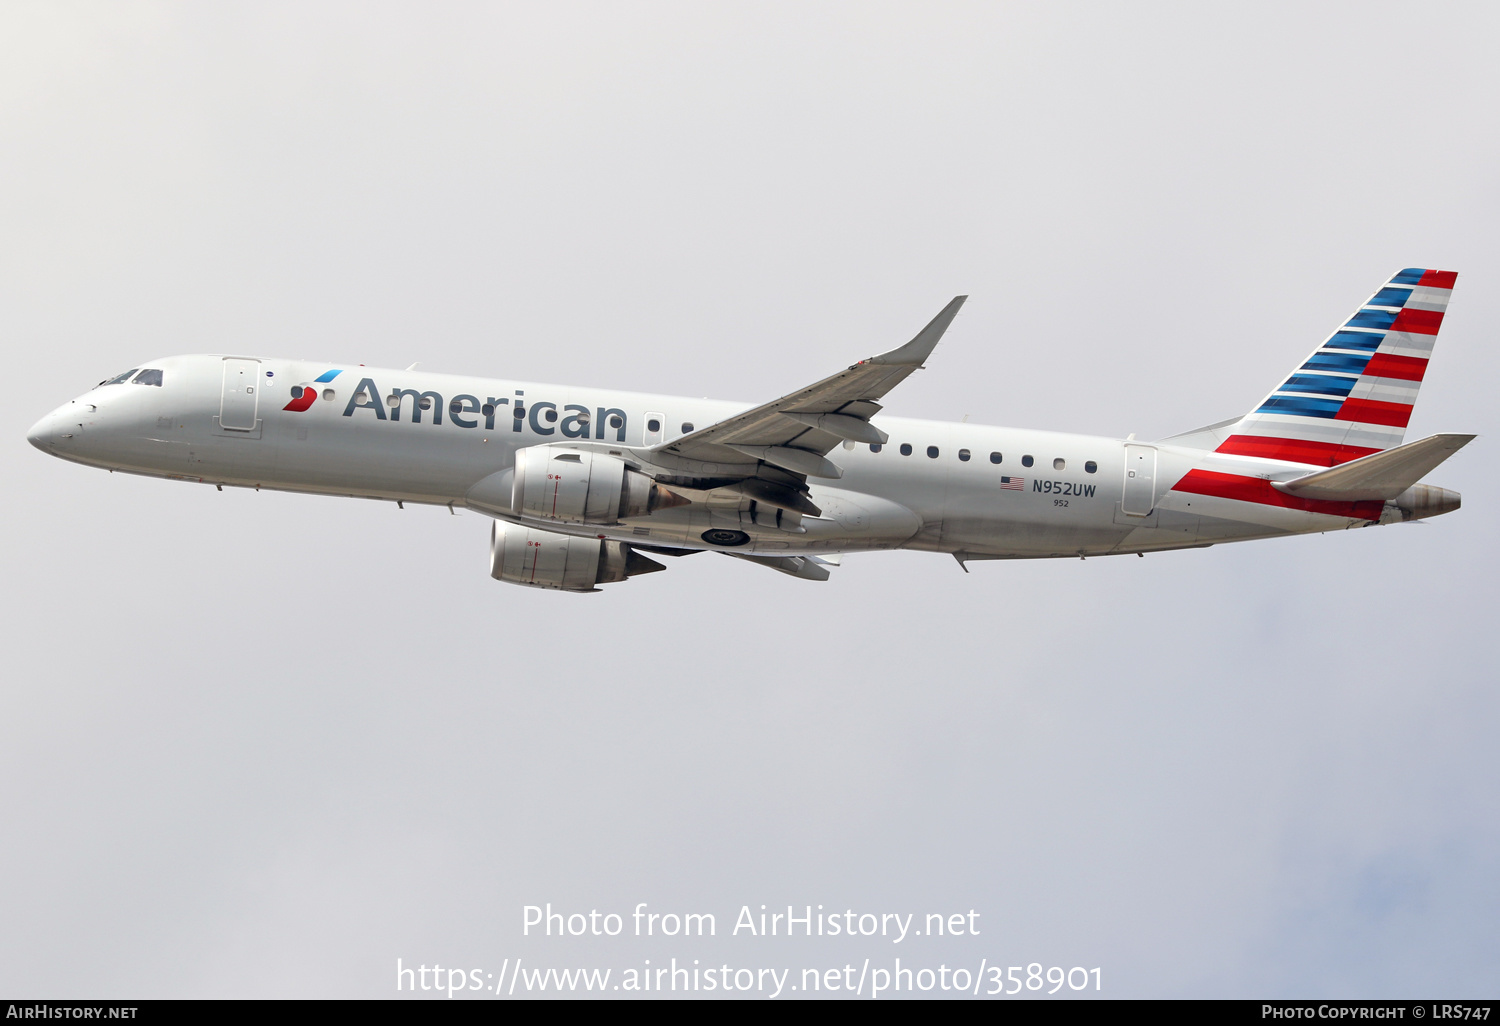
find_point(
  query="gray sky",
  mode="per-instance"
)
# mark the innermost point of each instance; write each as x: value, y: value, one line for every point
x: 263, y: 745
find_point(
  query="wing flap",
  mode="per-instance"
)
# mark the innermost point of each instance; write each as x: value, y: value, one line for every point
x: 798, y: 461
x: 842, y: 425
x: 809, y: 568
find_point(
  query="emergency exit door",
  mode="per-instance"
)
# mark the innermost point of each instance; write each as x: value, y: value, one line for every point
x: 1139, y: 497
x: 241, y: 397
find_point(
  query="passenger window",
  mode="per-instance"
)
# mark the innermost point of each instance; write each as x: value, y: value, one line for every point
x: 616, y: 421
x: 488, y: 409
x: 687, y: 427
x: 932, y: 452
x: 328, y: 395
x: 876, y: 447
x: 520, y: 412
x: 550, y: 416
x: 905, y: 449
x: 963, y: 455
x: 425, y: 402
x: 148, y: 377
x: 653, y: 425
x: 1027, y: 461
x: 1090, y: 467
x: 994, y: 457
x: 1059, y: 464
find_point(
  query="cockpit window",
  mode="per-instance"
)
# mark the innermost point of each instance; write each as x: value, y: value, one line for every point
x: 118, y: 378
x: 148, y: 377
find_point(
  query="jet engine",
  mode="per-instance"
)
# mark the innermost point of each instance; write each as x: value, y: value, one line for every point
x: 582, y: 487
x: 546, y: 559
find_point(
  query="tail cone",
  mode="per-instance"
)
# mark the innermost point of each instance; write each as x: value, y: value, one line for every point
x: 1422, y: 501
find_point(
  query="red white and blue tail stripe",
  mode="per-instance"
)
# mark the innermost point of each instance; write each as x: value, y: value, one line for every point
x: 1353, y: 396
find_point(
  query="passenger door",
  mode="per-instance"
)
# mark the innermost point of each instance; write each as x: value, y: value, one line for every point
x: 241, y: 397
x: 1139, y: 497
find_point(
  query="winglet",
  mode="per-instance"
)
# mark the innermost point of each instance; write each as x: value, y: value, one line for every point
x: 918, y: 349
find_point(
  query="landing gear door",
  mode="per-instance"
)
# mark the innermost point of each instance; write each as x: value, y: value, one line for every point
x: 1139, y: 496
x: 241, y: 397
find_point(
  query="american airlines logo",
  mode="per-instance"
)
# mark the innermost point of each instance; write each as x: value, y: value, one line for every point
x: 303, y: 397
x: 469, y: 411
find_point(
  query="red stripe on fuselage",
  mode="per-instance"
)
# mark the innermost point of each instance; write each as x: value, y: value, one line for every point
x: 1407, y: 368
x: 1294, y: 450
x: 1254, y: 489
x: 1373, y: 411
x: 1418, y: 322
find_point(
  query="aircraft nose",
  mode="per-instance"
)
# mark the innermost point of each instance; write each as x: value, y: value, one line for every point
x: 60, y: 429
x: 38, y: 433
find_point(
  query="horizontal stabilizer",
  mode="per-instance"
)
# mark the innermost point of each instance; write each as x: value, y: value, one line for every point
x: 1385, y: 475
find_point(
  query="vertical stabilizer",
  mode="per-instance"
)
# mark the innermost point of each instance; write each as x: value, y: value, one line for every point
x: 1353, y: 396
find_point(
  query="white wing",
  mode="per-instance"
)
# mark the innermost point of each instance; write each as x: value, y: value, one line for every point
x: 797, y: 431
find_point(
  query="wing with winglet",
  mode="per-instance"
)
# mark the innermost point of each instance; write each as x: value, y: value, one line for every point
x: 797, y: 431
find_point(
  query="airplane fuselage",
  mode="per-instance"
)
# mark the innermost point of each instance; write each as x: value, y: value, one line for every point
x: 414, y: 436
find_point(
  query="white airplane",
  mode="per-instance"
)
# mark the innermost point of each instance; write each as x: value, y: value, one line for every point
x: 582, y: 482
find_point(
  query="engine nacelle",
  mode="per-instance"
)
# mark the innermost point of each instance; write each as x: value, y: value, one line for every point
x: 546, y: 559
x: 583, y: 487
